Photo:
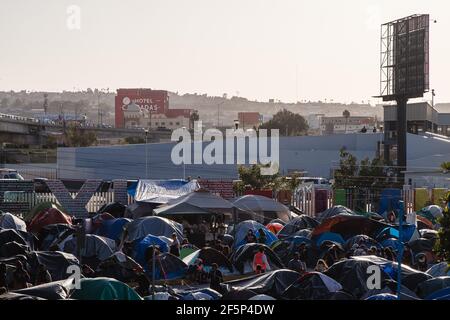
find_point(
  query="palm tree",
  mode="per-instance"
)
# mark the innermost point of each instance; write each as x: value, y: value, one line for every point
x: 445, y: 167
x: 346, y: 115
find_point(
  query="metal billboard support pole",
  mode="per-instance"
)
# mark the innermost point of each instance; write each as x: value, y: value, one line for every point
x: 401, y: 213
x: 401, y: 136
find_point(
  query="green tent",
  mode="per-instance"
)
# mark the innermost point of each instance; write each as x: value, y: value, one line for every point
x: 184, y: 252
x: 39, y: 208
x: 104, y: 289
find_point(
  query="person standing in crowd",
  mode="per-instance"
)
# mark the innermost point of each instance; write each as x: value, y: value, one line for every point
x: 175, y: 246
x: 4, y: 276
x: 262, y: 238
x: 250, y: 237
x: 422, y: 264
x: 303, y: 251
x: 21, y: 278
x: 297, y: 264
x: 321, y: 266
x: 42, y: 276
x: 260, y: 262
x: 216, y: 278
x: 389, y: 254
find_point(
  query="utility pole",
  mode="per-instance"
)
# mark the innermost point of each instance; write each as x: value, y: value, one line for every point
x: 146, y: 153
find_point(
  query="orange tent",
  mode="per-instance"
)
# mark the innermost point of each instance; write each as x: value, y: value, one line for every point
x: 47, y: 217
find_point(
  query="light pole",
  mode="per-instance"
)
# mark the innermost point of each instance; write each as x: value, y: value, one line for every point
x: 146, y: 153
x: 184, y: 159
x: 433, y: 94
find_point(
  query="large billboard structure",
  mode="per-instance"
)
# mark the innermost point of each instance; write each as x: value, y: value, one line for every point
x: 405, y: 58
x: 404, y: 71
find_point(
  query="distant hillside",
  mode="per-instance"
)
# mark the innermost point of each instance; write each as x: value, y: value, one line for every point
x: 28, y: 103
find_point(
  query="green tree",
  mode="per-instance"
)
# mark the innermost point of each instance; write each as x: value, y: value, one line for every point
x: 289, y: 123
x: 445, y: 166
x: 442, y: 247
x: 346, y: 115
x: 193, y: 117
x: 78, y: 137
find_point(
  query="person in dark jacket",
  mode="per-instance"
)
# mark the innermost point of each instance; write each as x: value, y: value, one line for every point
x: 216, y: 278
x: 42, y: 276
x: 262, y: 238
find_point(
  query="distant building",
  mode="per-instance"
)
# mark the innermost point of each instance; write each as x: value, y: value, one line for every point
x: 249, y: 120
x: 147, y: 108
x: 339, y: 125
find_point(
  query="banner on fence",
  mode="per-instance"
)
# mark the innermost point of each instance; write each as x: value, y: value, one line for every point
x: 161, y: 191
x: 11, y: 199
x: 75, y: 206
x: 223, y: 188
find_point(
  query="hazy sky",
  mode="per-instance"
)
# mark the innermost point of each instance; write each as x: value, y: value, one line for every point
x: 259, y: 48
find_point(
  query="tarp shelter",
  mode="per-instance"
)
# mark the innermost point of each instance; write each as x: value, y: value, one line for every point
x: 273, y: 283
x: 334, y: 211
x: 349, y: 225
x: 335, y: 238
x: 57, y: 290
x: 312, y: 286
x: 352, y: 273
x: 242, y: 258
x: 180, y: 209
x: 94, y: 246
x: 361, y: 239
x: 113, y: 229
x: 168, y: 267
x: 140, y: 247
x: 56, y: 262
x: 209, y: 256
x: 47, y: 217
x: 119, y: 266
x: 242, y: 228
x: 21, y: 237
x: 439, y: 270
x: 156, y: 226
x: 162, y: 191
x: 409, y: 233
x: 298, y: 223
x: 12, y: 249
x: 431, y: 286
x: 10, y: 221
x: 104, y: 289
x: 265, y: 209
x: 54, y: 233
x: 205, y: 200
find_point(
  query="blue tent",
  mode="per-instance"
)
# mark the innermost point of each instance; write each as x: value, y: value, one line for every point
x: 242, y: 229
x: 140, y: 246
x: 113, y: 228
x: 383, y: 296
x: 443, y: 294
x: 391, y: 232
x: 391, y: 242
x: 329, y: 236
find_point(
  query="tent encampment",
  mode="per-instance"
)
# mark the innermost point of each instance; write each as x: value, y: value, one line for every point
x: 156, y: 226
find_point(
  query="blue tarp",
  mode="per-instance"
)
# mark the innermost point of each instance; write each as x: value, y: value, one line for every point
x: 442, y: 294
x: 389, y: 201
x: 140, y: 246
x: 113, y: 228
x: 391, y: 232
x: 242, y: 229
x: 329, y: 236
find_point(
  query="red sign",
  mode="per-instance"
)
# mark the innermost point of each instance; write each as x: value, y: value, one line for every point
x: 223, y: 188
x: 148, y: 100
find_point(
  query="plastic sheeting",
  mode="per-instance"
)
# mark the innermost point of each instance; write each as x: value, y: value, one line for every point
x: 161, y: 191
x: 10, y: 221
x: 272, y: 283
x: 312, y: 286
x: 156, y: 226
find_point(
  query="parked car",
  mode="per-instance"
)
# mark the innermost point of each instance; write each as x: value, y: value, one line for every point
x: 10, y: 174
